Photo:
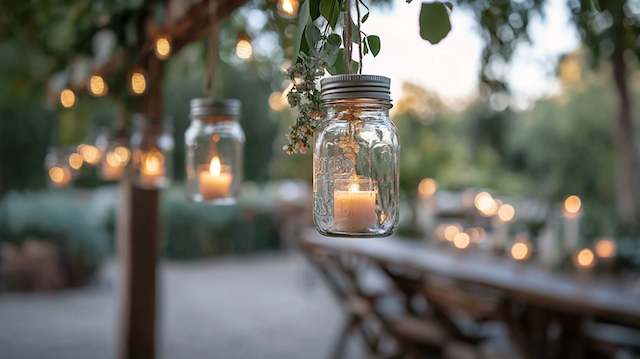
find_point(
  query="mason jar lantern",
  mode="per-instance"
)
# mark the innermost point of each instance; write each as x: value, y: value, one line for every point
x: 152, y: 147
x: 355, y: 159
x: 214, y: 143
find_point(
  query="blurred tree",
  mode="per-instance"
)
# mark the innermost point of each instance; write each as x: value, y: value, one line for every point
x: 609, y: 32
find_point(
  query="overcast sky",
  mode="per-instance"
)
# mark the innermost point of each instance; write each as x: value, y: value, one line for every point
x: 451, y: 67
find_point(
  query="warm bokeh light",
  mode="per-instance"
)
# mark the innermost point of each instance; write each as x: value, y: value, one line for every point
x: 97, y: 85
x: 605, y: 248
x: 427, y: 187
x: 67, y: 98
x: 520, y: 251
x: 288, y: 8
x: 450, y: 231
x: 138, y: 82
x: 162, y: 47
x: 277, y: 101
x: 123, y: 153
x: 60, y: 176
x: 485, y: 204
x: 585, y: 258
x: 572, y: 205
x: 506, y: 212
x: 244, y: 49
x: 152, y: 163
x: 476, y: 233
x: 90, y: 154
x: 75, y: 160
x: 461, y: 240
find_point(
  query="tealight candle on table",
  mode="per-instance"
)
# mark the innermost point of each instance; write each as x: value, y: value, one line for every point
x: 354, y: 205
x: 214, y: 180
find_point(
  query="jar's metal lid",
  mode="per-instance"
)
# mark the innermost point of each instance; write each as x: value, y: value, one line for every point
x: 355, y: 86
x: 208, y: 106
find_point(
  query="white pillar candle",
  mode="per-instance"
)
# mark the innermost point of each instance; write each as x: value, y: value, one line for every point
x: 214, y: 181
x: 354, y: 206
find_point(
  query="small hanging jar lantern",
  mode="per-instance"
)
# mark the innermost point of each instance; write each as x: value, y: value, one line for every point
x: 355, y: 158
x: 152, y: 147
x: 115, y: 159
x: 214, y: 143
x: 59, y: 173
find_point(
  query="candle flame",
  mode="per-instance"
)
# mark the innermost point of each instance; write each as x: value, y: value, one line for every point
x: 354, y: 187
x: 152, y: 163
x: 214, y: 166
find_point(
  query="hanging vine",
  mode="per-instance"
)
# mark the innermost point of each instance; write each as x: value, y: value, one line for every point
x: 324, y: 44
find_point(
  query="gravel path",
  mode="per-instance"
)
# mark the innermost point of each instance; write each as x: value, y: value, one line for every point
x: 264, y: 306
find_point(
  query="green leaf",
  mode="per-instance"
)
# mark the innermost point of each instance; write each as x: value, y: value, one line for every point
x: 303, y: 20
x: 355, y: 33
x: 314, y: 9
x: 340, y: 66
x: 374, y: 44
x: 434, y: 22
x: 330, y: 10
x: 365, y: 47
x: 334, y: 39
x: 365, y: 17
x: 312, y: 34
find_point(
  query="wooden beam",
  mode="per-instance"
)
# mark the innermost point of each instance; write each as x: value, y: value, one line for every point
x: 138, y: 218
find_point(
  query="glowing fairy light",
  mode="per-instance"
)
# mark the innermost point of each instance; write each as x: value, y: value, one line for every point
x: 67, y: 98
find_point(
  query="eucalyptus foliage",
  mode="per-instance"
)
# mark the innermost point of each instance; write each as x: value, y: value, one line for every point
x: 327, y: 31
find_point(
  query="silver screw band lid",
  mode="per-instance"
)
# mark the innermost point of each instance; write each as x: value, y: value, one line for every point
x: 341, y: 87
x: 208, y: 106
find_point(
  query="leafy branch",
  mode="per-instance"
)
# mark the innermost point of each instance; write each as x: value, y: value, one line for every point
x: 330, y: 50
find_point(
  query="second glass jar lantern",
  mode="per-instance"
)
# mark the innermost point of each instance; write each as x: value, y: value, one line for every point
x: 355, y: 159
x: 214, y: 143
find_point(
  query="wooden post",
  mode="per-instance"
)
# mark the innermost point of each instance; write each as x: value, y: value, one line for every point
x: 138, y: 237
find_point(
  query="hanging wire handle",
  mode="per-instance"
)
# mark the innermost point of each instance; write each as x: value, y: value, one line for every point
x: 347, y: 35
x: 212, y: 49
x: 358, y: 25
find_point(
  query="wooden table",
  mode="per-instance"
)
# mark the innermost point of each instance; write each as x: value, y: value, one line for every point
x: 575, y: 295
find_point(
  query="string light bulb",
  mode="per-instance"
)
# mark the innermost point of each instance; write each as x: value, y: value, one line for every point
x: 137, y: 82
x: 67, y: 98
x: 97, y: 86
x: 244, y: 49
x: 162, y: 47
x: 288, y: 8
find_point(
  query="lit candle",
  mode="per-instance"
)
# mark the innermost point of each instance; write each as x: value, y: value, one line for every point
x: 354, y: 208
x: 152, y: 168
x: 215, y: 181
x: 572, y: 214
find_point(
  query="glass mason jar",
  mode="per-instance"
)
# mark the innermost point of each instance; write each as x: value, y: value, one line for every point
x: 355, y: 159
x: 214, y: 143
x: 152, y: 147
